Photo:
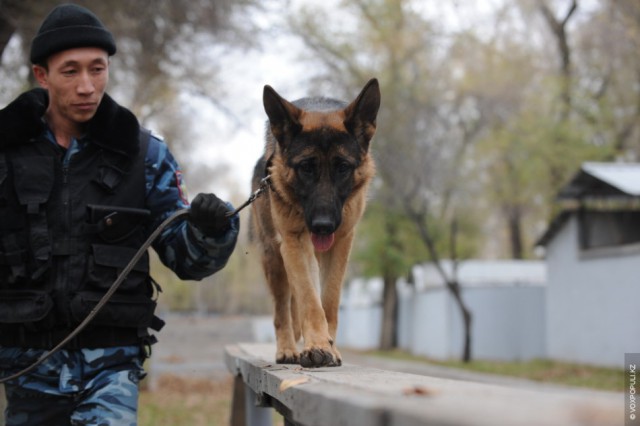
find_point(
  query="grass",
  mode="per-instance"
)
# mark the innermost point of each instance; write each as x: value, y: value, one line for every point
x: 542, y: 370
x: 188, y: 401
x: 185, y: 401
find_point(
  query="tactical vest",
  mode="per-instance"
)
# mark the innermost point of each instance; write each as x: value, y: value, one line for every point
x: 66, y: 231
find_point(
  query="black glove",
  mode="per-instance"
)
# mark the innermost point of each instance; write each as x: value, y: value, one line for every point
x: 209, y: 215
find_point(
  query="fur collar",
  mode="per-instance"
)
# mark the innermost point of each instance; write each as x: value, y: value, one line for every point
x: 113, y: 127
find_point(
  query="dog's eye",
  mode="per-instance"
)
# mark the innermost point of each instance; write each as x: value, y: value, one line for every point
x: 343, y: 167
x: 306, y: 167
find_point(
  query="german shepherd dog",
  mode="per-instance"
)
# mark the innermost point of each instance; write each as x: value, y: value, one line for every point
x: 317, y: 157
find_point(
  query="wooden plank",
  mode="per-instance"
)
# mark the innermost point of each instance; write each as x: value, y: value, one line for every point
x: 358, y: 396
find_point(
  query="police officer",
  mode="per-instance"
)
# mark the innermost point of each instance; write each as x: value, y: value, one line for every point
x: 82, y: 185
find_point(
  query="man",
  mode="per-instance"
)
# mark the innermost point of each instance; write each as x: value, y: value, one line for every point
x: 82, y: 186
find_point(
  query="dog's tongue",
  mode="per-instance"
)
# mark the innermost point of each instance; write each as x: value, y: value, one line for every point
x: 322, y: 242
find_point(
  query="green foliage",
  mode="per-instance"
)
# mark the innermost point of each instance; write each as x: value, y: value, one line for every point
x: 528, y: 160
x: 386, y: 243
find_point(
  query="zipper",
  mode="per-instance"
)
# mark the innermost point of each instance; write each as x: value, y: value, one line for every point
x: 64, y: 262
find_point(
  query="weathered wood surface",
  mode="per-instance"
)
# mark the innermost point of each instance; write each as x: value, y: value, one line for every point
x: 359, y: 396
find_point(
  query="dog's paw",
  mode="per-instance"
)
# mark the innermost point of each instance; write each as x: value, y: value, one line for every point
x: 287, y: 357
x: 317, y: 357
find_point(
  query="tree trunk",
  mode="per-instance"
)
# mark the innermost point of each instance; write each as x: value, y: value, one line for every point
x: 514, y: 219
x: 388, y: 336
x: 454, y: 288
x: 388, y: 339
x: 452, y: 284
x: 559, y: 29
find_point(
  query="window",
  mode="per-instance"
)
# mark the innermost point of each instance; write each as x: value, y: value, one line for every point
x: 608, y: 228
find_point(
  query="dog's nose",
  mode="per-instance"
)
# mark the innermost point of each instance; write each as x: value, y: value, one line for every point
x: 323, y: 225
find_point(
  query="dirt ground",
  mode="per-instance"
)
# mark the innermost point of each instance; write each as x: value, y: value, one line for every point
x: 188, y: 382
x: 193, y: 345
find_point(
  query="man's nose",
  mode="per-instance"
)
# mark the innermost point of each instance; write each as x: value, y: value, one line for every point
x: 85, y: 84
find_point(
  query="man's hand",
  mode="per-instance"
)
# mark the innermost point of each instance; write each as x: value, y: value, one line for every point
x: 209, y: 215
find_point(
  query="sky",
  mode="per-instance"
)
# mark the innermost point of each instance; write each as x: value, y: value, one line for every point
x: 239, y: 140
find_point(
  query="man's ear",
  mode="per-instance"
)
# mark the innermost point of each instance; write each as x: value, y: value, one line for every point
x: 42, y: 75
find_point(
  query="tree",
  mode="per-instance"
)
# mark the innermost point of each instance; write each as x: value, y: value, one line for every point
x: 386, y: 247
x: 558, y: 26
x: 607, y: 77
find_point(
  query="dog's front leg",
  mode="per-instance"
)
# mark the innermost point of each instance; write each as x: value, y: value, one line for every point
x: 304, y: 276
x: 333, y: 266
x: 283, y: 322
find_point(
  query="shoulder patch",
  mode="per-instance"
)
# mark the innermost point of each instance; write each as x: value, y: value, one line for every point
x: 182, y: 187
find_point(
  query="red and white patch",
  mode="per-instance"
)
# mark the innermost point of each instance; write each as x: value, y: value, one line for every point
x: 182, y: 188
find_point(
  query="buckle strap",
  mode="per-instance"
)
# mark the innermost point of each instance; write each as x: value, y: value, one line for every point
x: 97, y: 337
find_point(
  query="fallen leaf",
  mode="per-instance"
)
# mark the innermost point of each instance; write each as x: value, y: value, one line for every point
x: 417, y: 390
x: 288, y: 383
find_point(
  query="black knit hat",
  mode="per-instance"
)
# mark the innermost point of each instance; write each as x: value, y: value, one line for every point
x: 69, y: 26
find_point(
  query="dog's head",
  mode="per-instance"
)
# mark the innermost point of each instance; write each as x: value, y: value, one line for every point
x: 324, y: 143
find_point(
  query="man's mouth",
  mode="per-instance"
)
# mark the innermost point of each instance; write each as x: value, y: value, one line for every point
x: 88, y: 106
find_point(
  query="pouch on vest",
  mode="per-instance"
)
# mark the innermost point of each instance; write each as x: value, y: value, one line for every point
x: 114, y: 224
x: 106, y: 262
x: 34, y: 177
x: 130, y: 311
x: 12, y: 261
x: 29, y: 308
x: 12, y: 243
x: 4, y: 171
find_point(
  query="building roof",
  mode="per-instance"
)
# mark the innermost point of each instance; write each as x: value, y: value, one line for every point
x: 603, y: 180
x: 597, y: 181
x: 484, y: 273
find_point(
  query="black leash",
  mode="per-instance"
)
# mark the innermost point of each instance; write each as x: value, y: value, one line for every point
x: 264, y: 184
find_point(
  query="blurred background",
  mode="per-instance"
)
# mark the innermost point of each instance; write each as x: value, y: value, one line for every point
x: 489, y: 109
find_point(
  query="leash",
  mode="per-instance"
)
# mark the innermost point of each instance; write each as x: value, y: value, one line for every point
x: 264, y: 185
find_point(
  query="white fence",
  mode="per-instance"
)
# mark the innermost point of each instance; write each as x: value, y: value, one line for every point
x: 506, y: 298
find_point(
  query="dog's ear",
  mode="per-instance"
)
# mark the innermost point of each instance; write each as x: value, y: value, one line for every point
x: 284, y: 117
x: 360, y: 115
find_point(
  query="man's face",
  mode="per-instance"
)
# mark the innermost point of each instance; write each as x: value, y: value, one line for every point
x: 76, y: 80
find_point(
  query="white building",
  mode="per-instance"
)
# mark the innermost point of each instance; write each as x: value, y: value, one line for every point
x: 593, y: 267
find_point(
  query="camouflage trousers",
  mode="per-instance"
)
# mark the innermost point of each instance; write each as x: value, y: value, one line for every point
x: 83, y: 387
